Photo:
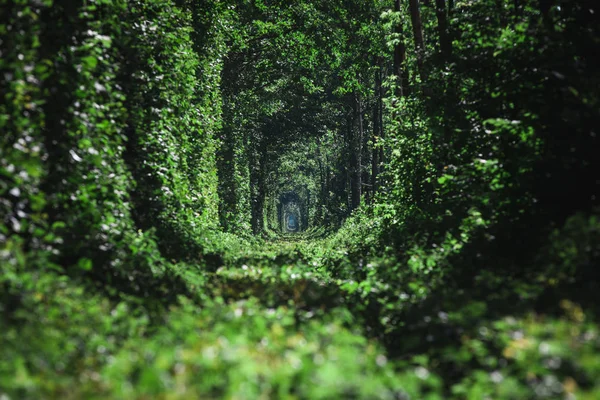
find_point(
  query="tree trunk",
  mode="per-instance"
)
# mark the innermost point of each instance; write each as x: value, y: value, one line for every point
x: 365, y: 157
x: 325, y: 204
x: 306, y: 216
x: 442, y: 18
x: 356, y: 153
x: 375, y: 137
x: 280, y: 215
x: 318, y: 211
x: 349, y: 167
x: 257, y: 166
x: 380, y: 96
x: 400, y: 57
x: 415, y: 16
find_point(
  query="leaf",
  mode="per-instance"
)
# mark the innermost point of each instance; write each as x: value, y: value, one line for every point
x: 85, y: 264
x: 445, y: 178
x: 90, y: 61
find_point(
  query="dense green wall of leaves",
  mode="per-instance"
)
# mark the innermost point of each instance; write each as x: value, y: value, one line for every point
x: 108, y: 116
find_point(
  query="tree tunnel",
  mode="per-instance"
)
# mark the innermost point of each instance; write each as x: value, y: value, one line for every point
x: 292, y: 212
x: 296, y: 152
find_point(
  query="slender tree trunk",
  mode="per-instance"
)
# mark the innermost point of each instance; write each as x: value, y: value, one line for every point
x: 329, y: 186
x: 400, y: 57
x: 351, y: 157
x: 442, y: 18
x: 380, y: 96
x: 257, y: 166
x: 227, y: 183
x: 326, y: 189
x: 262, y: 187
x: 376, y: 129
x: 356, y: 153
x: 280, y: 215
x: 318, y: 211
x: 450, y: 99
x: 366, y: 156
x: 306, y: 210
x: 415, y: 16
x: 254, y: 171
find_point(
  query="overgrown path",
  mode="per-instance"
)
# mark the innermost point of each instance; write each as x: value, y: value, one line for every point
x: 282, y: 278
x: 276, y: 314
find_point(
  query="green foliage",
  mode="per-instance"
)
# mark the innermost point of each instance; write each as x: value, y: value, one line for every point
x: 250, y: 351
x: 172, y: 141
x: 144, y: 141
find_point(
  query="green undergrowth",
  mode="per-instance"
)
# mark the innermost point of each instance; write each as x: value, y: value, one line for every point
x: 249, y: 331
x: 505, y: 331
x: 277, y: 320
x: 233, y: 349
